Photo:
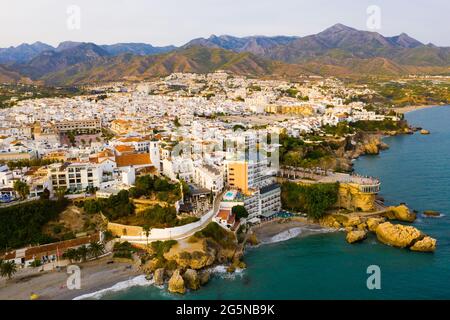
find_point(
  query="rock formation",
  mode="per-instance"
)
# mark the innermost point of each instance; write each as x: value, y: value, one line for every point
x: 191, y: 279
x: 431, y: 213
x: 176, y: 283
x: 397, y: 235
x: 427, y: 244
x: 158, y: 276
x: 372, y: 223
x: 356, y: 236
x: 400, y: 213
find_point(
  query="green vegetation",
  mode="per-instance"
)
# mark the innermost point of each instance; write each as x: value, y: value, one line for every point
x: 123, y: 250
x: 10, y: 94
x: 113, y: 208
x: 379, y: 126
x: 340, y: 130
x: 22, y: 189
x: 312, y: 199
x: 295, y: 152
x: 7, y: 269
x: 405, y: 93
x: 161, y: 247
x: 215, y: 232
x: 161, y: 188
x: 240, y: 212
x: 94, y: 250
x: 164, y: 217
x: 19, y: 164
x: 21, y: 224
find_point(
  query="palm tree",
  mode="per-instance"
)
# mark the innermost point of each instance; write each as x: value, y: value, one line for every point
x: 8, y: 269
x: 71, y: 254
x: 96, y: 249
x: 147, y: 231
x: 83, y: 252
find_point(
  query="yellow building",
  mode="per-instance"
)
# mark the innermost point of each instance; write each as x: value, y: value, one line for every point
x: 237, y: 175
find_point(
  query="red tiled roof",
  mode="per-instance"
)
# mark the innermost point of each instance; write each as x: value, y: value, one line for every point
x: 133, y: 159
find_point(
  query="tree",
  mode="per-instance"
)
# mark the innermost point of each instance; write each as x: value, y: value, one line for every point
x: 96, y: 249
x: 71, y: 254
x: 147, y: 231
x: 83, y: 253
x: 60, y: 192
x: 45, y: 195
x: 22, y: 189
x: 239, y: 212
x: 8, y: 269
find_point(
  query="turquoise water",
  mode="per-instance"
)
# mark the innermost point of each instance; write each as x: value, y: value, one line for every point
x: 415, y: 170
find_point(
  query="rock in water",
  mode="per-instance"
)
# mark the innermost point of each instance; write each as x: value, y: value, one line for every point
x: 159, y: 276
x: 372, y: 223
x: 204, y: 277
x: 176, y: 283
x: 431, y: 213
x: 425, y: 132
x: 427, y: 244
x: 191, y: 279
x: 400, y: 213
x: 397, y: 235
x: 356, y: 236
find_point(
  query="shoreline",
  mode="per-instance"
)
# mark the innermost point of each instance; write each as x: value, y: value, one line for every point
x: 409, y: 109
x: 96, y: 275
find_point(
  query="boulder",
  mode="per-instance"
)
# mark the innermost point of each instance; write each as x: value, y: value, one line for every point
x: 191, y: 279
x: 158, y: 276
x: 330, y: 222
x: 353, y: 221
x: 176, y: 283
x: 400, y: 213
x: 204, y: 277
x: 427, y: 244
x: 431, y: 213
x: 372, y: 223
x: 356, y: 236
x: 425, y: 132
x: 397, y: 235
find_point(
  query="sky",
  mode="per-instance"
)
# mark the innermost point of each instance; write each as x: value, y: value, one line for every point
x: 166, y: 22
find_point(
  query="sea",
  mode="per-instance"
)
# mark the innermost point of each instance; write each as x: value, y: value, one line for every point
x: 415, y: 170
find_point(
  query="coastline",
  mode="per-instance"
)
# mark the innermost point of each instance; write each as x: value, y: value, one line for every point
x: 416, y: 108
x: 95, y: 276
x: 275, y: 231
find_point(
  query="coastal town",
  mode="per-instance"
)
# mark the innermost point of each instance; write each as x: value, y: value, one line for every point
x: 181, y: 173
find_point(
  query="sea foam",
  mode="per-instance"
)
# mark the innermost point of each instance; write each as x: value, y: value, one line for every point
x: 139, y: 281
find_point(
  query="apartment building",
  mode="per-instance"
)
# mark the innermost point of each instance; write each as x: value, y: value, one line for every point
x: 86, y: 125
x: 209, y: 177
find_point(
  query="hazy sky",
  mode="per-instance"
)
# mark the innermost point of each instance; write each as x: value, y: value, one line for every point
x: 164, y: 22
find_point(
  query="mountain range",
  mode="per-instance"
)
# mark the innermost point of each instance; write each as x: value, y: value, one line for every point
x: 339, y: 50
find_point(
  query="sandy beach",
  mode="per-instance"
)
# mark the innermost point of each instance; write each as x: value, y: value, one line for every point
x: 414, y: 108
x: 95, y: 275
x: 281, y: 230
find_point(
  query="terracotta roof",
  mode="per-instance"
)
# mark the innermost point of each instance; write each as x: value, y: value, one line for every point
x: 223, y: 214
x: 124, y: 148
x: 133, y: 159
x: 132, y: 139
x: 105, y: 153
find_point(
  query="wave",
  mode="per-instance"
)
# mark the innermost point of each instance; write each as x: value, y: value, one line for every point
x: 221, y: 272
x: 294, y: 233
x: 139, y: 281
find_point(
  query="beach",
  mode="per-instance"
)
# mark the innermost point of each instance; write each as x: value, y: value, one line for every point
x: 51, y: 285
x: 414, y: 108
x: 284, y: 229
